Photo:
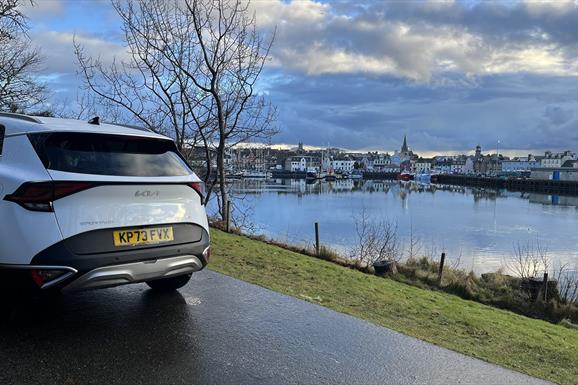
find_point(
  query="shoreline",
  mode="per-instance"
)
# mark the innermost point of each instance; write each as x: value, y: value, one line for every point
x: 524, y: 344
x: 524, y: 296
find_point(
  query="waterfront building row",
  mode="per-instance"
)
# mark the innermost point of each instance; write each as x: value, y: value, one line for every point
x: 265, y: 159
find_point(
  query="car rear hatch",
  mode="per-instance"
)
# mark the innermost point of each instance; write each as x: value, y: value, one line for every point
x: 129, y: 186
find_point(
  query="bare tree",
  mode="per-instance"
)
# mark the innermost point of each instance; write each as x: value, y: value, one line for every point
x: 529, y: 260
x: 376, y: 240
x: 567, y: 283
x: 365, y: 238
x: 12, y: 21
x: 191, y: 72
x: 19, y: 89
x: 415, y: 246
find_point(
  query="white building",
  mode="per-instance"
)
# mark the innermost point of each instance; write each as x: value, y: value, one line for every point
x: 301, y: 163
x: 367, y: 162
x: 423, y: 165
x: 468, y: 166
x: 518, y: 164
x: 443, y: 165
x: 381, y: 162
x: 556, y: 160
x: 458, y: 166
x: 342, y: 165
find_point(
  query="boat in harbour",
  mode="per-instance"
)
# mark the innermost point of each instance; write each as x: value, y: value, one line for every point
x: 405, y: 176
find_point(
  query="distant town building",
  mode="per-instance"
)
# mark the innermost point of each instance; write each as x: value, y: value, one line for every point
x: 342, y: 164
x: 260, y: 158
x: 487, y: 164
x: 571, y: 163
x: 423, y: 165
x: 250, y: 159
x: 561, y: 173
x: 403, y: 158
x: 404, y: 154
x: 302, y: 163
x: 458, y: 165
x: 443, y: 166
x: 556, y: 160
x: 520, y: 164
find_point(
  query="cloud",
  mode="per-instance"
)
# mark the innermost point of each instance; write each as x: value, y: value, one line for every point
x: 525, y: 112
x: 58, y: 50
x: 420, y: 41
x: 360, y: 75
x: 39, y: 9
x: 276, y: 13
x: 549, y: 8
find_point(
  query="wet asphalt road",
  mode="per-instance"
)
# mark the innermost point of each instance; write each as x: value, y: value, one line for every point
x: 218, y: 330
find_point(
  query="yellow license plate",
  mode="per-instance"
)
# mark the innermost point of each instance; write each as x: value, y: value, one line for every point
x: 143, y: 236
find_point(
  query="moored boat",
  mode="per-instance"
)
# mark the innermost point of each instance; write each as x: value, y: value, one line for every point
x: 404, y: 176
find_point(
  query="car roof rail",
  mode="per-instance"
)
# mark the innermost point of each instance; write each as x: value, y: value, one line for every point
x: 26, y: 118
x: 141, y: 128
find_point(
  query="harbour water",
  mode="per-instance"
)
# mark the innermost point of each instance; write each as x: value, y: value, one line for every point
x: 477, y: 228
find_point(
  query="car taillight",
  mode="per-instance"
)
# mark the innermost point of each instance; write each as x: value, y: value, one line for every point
x: 44, y: 278
x: 38, y: 196
x: 199, y: 187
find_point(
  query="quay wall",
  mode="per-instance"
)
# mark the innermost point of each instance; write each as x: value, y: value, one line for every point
x: 566, y: 187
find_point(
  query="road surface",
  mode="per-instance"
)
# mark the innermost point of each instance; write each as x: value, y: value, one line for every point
x: 218, y: 330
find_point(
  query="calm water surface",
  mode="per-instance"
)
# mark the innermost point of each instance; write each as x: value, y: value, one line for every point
x: 478, y: 228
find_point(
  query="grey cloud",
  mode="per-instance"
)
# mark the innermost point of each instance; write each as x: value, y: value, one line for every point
x: 558, y: 115
x: 517, y: 110
x: 511, y: 20
x: 58, y: 50
x: 440, y: 108
x: 418, y: 40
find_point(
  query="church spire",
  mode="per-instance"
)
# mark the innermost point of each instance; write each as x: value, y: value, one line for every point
x: 404, y: 146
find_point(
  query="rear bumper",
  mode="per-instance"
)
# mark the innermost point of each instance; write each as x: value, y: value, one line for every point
x: 112, y: 268
x: 115, y: 275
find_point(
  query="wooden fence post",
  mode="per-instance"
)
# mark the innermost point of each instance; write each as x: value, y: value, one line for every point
x: 228, y: 216
x: 317, y: 246
x: 545, y: 288
x: 441, y: 270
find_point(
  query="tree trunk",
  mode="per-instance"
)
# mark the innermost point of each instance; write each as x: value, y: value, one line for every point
x: 222, y: 177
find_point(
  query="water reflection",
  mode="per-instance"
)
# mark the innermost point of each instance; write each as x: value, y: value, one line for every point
x: 302, y: 186
x: 480, y: 225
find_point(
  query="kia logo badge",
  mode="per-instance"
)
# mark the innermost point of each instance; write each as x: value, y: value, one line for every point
x: 147, y: 194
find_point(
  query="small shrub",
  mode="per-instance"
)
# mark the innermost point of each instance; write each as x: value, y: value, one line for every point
x: 260, y: 238
x: 569, y: 324
x: 328, y: 254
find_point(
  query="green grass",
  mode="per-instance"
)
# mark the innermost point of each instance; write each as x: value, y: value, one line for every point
x: 527, y: 345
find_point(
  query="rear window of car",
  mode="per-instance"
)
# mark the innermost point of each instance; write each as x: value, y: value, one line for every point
x: 102, y: 154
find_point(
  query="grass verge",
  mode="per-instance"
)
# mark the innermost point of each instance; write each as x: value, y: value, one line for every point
x: 532, y: 346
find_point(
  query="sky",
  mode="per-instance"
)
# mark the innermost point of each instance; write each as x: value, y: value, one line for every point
x: 360, y: 75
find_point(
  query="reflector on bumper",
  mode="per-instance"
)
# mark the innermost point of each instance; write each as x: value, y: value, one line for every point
x: 48, y: 277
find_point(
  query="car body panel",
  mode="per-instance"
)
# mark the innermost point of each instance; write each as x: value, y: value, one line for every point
x: 62, y: 254
x: 20, y: 127
x: 41, y: 238
x: 28, y: 232
x: 121, y: 206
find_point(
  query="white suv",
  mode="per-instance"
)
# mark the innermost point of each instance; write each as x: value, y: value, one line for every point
x: 88, y: 205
